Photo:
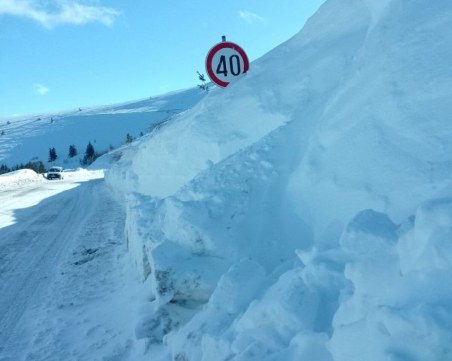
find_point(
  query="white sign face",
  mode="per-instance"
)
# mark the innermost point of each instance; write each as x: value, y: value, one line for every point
x: 225, y: 62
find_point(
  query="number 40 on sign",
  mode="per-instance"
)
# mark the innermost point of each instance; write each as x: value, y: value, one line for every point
x: 225, y: 62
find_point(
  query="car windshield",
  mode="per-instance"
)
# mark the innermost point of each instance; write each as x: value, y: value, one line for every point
x: 55, y: 170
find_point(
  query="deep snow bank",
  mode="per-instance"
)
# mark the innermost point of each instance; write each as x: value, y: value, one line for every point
x: 305, y: 211
x: 19, y: 178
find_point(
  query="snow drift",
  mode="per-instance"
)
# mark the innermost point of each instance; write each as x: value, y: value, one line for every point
x: 18, y: 179
x: 305, y: 212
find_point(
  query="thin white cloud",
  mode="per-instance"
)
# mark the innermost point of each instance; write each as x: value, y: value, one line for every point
x: 51, y: 13
x: 40, y: 89
x: 250, y: 17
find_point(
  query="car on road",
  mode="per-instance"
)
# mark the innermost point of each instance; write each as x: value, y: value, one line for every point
x: 55, y: 173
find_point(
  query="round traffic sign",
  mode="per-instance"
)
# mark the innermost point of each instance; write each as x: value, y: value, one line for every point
x: 225, y: 62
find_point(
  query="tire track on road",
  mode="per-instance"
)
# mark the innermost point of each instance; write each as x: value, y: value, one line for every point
x: 33, y: 247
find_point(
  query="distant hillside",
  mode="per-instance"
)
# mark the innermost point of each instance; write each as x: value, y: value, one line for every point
x: 29, y: 138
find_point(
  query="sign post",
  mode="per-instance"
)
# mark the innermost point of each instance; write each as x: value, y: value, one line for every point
x: 225, y: 62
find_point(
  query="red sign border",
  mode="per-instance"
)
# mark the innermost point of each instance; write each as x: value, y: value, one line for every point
x: 214, y: 50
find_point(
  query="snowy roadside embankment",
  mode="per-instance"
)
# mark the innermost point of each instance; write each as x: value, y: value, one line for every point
x: 23, y: 177
x: 19, y: 178
x: 305, y: 212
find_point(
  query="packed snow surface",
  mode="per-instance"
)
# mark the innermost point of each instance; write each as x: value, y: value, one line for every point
x: 302, y: 213
x: 63, y: 271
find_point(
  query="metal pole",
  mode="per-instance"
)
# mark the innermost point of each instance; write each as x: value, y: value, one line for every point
x: 223, y: 38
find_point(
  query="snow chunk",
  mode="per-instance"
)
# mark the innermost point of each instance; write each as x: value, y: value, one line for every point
x: 428, y: 245
x: 369, y: 233
x: 179, y: 275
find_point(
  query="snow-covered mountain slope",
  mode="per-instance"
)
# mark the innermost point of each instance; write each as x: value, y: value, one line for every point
x: 305, y: 211
x: 28, y: 138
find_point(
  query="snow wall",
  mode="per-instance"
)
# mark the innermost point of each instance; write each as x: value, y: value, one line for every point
x: 305, y: 212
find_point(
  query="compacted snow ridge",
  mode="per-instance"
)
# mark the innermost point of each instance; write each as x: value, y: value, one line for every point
x: 302, y: 213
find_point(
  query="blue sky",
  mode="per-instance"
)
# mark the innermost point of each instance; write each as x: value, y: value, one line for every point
x: 63, y: 54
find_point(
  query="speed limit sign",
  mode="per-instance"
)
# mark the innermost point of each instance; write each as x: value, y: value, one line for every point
x: 225, y: 62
